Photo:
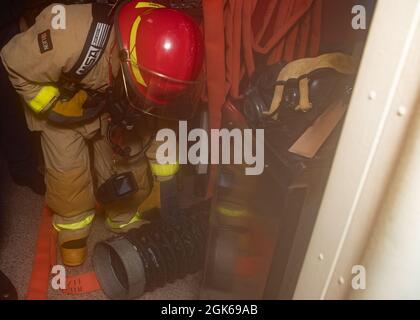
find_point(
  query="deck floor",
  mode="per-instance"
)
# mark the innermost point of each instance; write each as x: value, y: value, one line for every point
x: 21, y: 211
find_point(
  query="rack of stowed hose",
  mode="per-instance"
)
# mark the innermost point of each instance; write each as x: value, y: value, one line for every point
x: 154, y: 255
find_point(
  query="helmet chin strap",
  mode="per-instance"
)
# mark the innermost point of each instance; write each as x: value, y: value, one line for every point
x: 114, y: 6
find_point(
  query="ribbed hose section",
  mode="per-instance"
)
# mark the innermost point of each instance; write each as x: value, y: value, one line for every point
x: 158, y: 253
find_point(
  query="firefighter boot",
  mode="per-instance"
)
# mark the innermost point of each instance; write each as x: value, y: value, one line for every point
x: 72, y: 237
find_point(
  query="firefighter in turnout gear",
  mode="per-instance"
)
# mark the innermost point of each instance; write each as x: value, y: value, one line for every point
x: 142, y: 55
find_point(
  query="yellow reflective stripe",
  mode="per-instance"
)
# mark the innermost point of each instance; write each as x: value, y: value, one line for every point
x: 76, y: 225
x: 133, y: 53
x: 231, y: 212
x: 44, y: 98
x: 142, y: 4
x: 116, y: 225
x: 164, y: 170
x: 133, y: 36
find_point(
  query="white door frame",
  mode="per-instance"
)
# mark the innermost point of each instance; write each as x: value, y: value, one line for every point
x: 379, y: 114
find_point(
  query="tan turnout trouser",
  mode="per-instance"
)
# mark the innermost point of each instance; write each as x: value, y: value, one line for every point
x: 71, y: 168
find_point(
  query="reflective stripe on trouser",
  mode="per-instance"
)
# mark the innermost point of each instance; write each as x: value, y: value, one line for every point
x: 124, y: 222
x: 73, y: 228
x: 75, y: 225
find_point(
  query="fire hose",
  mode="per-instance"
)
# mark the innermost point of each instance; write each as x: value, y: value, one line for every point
x: 157, y: 253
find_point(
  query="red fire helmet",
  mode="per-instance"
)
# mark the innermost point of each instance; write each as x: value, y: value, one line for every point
x: 161, y: 50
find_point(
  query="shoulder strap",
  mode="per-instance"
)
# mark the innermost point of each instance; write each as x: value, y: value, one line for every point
x: 93, y: 48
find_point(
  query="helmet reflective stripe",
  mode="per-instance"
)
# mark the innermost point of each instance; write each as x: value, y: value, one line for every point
x: 133, y: 35
x: 45, y: 97
x: 133, y: 53
x: 142, y: 4
x: 116, y: 225
x: 164, y: 170
x: 76, y: 225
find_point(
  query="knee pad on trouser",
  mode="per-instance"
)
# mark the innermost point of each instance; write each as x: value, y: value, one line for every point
x: 69, y: 193
x: 72, y: 236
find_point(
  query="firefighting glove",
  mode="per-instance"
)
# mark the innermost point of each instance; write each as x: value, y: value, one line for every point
x: 81, y: 108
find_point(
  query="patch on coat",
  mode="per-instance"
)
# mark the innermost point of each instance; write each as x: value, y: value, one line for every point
x: 44, y: 41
